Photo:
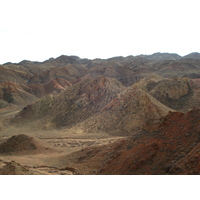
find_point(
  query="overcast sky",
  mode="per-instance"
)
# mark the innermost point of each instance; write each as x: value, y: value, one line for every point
x: 39, y: 29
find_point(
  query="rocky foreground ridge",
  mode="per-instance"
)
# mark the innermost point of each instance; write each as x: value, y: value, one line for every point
x: 171, y: 149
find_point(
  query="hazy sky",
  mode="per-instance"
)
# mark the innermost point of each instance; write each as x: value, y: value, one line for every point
x: 39, y: 29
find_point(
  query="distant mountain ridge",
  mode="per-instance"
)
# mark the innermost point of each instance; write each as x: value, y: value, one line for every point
x: 65, y: 59
x: 162, y: 56
x: 194, y: 55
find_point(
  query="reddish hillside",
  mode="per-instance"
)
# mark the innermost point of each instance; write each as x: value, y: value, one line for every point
x: 22, y: 94
x: 172, y: 149
x: 72, y: 106
x: 169, y: 148
x: 97, y: 105
x: 131, y: 110
x: 15, y: 93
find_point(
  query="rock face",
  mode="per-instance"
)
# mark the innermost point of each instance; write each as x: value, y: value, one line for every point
x: 172, y: 92
x: 172, y: 149
x: 131, y: 110
x: 180, y: 94
x: 172, y: 89
x: 188, y: 164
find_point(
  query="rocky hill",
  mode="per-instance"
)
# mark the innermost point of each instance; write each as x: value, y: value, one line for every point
x: 133, y: 109
x: 194, y: 55
x: 13, y: 168
x: 103, y: 104
x: 162, y: 56
x: 23, y: 94
x: 72, y: 106
x: 23, y: 144
x: 181, y: 94
x: 7, y: 74
x: 70, y: 73
x: 172, y: 149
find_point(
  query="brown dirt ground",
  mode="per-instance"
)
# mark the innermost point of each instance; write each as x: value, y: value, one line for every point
x: 47, y: 162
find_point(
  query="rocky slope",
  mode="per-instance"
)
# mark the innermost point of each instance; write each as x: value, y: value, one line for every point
x: 172, y: 149
x: 180, y: 94
x: 23, y: 144
x: 130, y: 111
x: 96, y: 105
x: 94, y: 102
x: 23, y: 94
x: 72, y: 106
x: 194, y: 55
x: 14, y: 75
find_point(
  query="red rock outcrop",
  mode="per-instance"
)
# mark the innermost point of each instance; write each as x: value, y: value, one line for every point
x: 172, y: 149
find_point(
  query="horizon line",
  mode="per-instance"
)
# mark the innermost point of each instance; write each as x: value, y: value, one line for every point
x: 98, y: 57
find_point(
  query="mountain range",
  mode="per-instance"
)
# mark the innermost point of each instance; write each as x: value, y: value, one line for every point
x: 152, y: 101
